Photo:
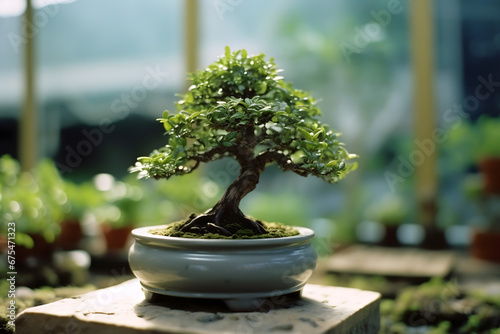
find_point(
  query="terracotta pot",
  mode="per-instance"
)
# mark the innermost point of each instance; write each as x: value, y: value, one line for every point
x: 116, y: 238
x: 486, y: 245
x: 3, y: 244
x: 434, y: 238
x: 42, y: 250
x: 70, y: 236
x: 490, y: 169
x: 390, y: 238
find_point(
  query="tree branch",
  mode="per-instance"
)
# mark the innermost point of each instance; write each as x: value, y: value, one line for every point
x: 283, y: 161
x: 209, y: 155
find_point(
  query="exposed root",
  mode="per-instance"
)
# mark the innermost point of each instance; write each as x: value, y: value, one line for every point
x: 224, y: 224
x: 218, y: 229
x: 254, y: 225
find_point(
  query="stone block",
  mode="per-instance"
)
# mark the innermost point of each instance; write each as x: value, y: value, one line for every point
x: 122, y: 309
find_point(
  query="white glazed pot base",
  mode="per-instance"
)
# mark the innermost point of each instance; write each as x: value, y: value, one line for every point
x: 225, y: 296
x: 243, y: 302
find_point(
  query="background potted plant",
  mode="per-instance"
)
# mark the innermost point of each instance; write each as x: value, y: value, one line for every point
x: 82, y: 198
x: 479, y: 146
x: 33, y: 201
x: 237, y: 107
x: 487, y: 135
x: 391, y: 211
x: 118, y: 212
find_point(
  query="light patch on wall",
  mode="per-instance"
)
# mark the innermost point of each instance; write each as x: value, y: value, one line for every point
x: 17, y: 7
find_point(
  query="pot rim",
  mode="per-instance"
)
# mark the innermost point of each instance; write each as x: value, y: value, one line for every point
x: 142, y: 235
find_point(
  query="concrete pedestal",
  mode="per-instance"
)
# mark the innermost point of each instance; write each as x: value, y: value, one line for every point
x: 122, y: 309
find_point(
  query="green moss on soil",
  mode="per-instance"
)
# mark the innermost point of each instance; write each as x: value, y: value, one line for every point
x: 276, y: 230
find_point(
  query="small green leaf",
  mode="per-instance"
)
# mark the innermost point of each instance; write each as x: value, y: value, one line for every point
x: 261, y: 87
x: 178, y: 150
x: 332, y: 163
x: 306, y: 134
x: 231, y: 136
x: 182, y: 141
x: 167, y: 125
x: 228, y: 52
x: 316, y: 135
x: 193, y: 116
x: 310, y: 145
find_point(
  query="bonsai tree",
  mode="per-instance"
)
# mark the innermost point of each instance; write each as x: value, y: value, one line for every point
x: 240, y: 107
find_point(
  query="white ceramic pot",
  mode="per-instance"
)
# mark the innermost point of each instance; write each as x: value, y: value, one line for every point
x: 222, y: 269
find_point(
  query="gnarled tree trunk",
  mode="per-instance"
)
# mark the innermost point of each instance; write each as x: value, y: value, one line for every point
x: 226, y: 217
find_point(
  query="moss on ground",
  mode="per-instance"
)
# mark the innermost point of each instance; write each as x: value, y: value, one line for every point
x: 36, y: 297
x: 443, y: 307
x: 275, y: 230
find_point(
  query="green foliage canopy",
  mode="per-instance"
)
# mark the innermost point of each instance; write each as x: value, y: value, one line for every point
x: 240, y: 107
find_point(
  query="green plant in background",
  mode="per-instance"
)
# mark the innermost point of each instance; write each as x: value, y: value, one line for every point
x: 81, y: 198
x: 390, y: 210
x: 240, y: 107
x: 368, y: 82
x: 472, y: 186
x: 478, y: 144
x: 474, y: 141
x: 487, y: 137
x: 120, y: 205
x: 145, y: 203
x: 41, y: 200
x: 128, y: 202
x: 32, y: 200
x: 50, y: 187
x: 285, y: 207
x: 181, y: 196
x: 10, y: 208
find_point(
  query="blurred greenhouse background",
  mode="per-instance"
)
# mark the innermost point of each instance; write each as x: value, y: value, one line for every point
x: 413, y: 86
x: 105, y: 70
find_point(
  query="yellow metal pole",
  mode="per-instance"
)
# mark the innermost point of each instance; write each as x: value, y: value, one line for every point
x: 191, y: 35
x: 28, y: 128
x: 422, y: 51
